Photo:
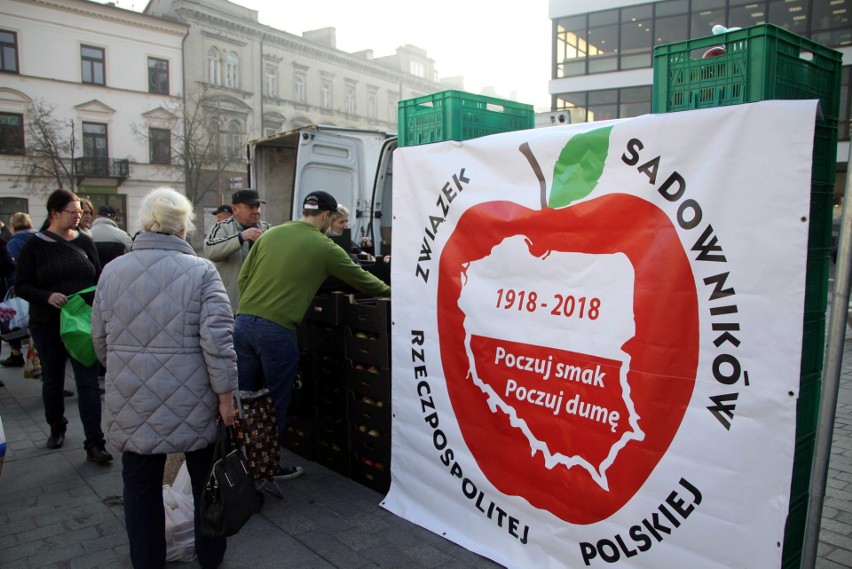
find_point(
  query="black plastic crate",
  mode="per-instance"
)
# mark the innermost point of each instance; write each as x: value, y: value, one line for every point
x: 330, y: 443
x: 369, y: 315
x: 331, y: 454
x: 368, y: 472
x: 368, y: 379
x: 331, y: 402
x: 370, y: 440
x: 368, y: 410
x: 329, y: 371
x: 326, y: 340
x: 367, y: 347
x: 326, y: 308
x: 299, y: 436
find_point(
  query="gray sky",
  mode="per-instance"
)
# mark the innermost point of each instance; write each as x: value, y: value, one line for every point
x: 504, y: 45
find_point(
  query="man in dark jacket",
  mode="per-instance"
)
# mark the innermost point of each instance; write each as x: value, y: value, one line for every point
x: 110, y: 240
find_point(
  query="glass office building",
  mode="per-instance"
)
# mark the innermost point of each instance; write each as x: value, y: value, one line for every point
x: 603, y: 49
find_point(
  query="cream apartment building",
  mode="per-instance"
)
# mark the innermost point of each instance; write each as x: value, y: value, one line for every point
x: 115, y: 75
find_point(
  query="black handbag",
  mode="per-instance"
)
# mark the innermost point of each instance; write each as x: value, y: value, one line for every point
x: 229, y: 498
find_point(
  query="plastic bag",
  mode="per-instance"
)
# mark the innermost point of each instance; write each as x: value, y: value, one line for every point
x: 32, y: 364
x: 75, y: 327
x: 14, y: 315
x: 180, y: 518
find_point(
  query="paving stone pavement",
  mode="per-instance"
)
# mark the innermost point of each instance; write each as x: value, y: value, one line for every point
x: 58, y: 511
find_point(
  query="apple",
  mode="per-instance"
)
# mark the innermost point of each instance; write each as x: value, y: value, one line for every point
x: 715, y: 51
x: 663, y: 351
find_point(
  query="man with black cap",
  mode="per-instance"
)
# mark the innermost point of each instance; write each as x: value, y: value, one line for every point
x: 110, y: 240
x: 223, y: 212
x: 280, y: 277
x: 229, y: 240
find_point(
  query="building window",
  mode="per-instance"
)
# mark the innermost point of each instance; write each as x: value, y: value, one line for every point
x: 93, y: 65
x: 393, y: 104
x: 671, y: 21
x: 11, y: 133
x: 8, y: 51
x: 158, y: 76
x: 214, y: 67
x: 831, y: 22
x: 234, y: 140
x: 232, y: 68
x: 637, y: 37
x: 299, y: 87
x: 326, y: 93
x: 160, y: 145
x: 95, y: 153
x: 212, y: 153
x: 373, y: 104
x: 591, y: 106
x: 271, y: 80
x: 603, y: 41
x: 417, y: 68
x: 350, y: 101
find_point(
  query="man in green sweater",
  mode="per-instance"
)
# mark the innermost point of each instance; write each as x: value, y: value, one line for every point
x: 279, y: 278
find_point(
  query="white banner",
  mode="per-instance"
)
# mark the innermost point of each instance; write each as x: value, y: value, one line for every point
x: 597, y: 338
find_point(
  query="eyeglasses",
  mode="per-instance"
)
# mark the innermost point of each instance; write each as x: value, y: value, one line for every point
x: 74, y: 211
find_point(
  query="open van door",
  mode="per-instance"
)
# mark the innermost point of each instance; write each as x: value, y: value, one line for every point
x: 344, y: 164
x: 381, y: 213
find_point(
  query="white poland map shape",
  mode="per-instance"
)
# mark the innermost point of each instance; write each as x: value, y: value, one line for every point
x: 609, y: 278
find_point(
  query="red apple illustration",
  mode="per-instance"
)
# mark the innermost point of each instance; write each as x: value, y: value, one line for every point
x: 662, y: 352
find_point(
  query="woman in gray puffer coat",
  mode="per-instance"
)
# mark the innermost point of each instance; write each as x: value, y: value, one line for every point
x: 162, y: 324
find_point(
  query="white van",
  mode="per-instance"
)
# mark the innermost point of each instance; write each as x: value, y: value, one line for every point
x: 355, y: 166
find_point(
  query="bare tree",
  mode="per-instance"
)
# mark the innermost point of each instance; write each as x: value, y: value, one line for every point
x: 197, y: 144
x: 50, y: 147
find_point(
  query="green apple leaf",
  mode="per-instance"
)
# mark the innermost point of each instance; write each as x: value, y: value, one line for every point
x: 579, y: 167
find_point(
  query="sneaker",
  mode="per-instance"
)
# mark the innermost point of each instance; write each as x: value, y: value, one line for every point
x: 287, y: 472
x: 13, y: 361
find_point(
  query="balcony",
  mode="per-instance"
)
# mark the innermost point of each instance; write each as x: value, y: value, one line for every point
x: 101, y: 168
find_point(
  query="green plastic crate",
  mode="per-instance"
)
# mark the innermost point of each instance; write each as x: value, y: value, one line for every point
x: 807, y: 417
x: 456, y: 115
x: 821, y: 214
x: 803, y: 457
x: 825, y: 153
x: 816, y: 281
x: 761, y: 62
x: 794, y: 534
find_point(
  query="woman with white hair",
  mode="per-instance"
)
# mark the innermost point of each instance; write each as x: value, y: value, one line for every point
x: 162, y: 325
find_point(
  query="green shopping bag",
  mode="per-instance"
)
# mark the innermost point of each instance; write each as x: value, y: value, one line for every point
x: 75, y: 327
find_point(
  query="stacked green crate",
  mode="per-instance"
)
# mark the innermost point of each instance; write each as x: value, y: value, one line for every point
x: 456, y: 115
x: 759, y: 63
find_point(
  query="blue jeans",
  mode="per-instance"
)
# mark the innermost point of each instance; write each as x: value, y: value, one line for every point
x: 53, y: 356
x: 144, y: 516
x: 267, y: 353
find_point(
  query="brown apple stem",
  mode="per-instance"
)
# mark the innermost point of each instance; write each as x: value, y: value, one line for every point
x: 527, y: 152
